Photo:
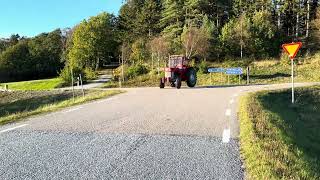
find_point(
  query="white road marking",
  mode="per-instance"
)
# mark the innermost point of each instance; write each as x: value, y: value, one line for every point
x: 235, y: 95
x: 74, y: 109
x: 226, y: 136
x: 106, y: 100
x: 13, y: 128
x: 228, y: 112
x: 231, y: 101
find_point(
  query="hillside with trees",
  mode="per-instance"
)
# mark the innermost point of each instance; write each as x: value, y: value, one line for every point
x: 146, y: 32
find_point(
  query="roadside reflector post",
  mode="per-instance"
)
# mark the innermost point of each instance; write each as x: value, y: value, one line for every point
x: 81, y: 84
x: 72, y: 84
x: 292, y: 50
x: 248, y: 75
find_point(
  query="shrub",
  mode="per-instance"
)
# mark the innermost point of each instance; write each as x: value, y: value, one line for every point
x: 136, y: 70
x: 65, y: 75
x: 203, y: 67
x: 284, y: 59
x: 117, y: 73
x: 90, y: 74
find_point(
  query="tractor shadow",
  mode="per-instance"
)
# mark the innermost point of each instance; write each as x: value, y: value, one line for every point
x: 270, y: 76
x: 222, y: 86
x: 215, y: 86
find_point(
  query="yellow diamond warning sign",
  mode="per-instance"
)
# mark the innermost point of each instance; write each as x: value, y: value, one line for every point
x: 292, y: 49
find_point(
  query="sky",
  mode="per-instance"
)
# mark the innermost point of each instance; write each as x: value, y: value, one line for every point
x: 32, y: 17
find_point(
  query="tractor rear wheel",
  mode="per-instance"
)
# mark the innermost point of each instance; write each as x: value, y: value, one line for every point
x: 191, y: 77
x: 178, y: 82
x: 161, y: 84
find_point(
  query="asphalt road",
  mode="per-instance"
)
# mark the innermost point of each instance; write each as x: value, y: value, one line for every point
x: 146, y: 133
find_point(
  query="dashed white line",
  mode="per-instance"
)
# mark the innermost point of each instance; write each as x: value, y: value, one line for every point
x: 106, y: 100
x: 13, y: 128
x: 228, y: 112
x: 226, y: 136
x: 74, y: 109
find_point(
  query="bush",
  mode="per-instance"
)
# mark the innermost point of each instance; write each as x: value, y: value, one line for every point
x: 65, y: 75
x: 117, y: 73
x: 137, y: 70
x: 90, y: 74
x: 203, y: 67
x: 284, y: 59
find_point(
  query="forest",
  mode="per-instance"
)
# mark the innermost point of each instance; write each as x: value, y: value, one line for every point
x: 146, y: 32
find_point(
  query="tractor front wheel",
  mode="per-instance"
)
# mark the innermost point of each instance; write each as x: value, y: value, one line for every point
x: 192, y: 77
x: 178, y: 82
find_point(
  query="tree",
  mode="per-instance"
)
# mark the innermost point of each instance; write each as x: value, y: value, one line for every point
x: 218, y: 11
x: 3, y: 45
x: 195, y: 41
x: 46, y: 51
x: 212, y: 33
x: 172, y: 23
x: 315, y: 33
x: 263, y: 32
x: 33, y: 58
x: 148, y: 18
x: 16, y: 64
x: 159, y: 47
x: 236, y: 35
x: 139, y: 51
x: 193, y: 13
x: 92, y: 42
x: 14, y: 39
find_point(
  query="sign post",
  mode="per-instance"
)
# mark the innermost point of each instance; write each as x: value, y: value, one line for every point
x: 235, y: 71
x: 215, y: 70
x: 228, y: 71
x: 292, y: 50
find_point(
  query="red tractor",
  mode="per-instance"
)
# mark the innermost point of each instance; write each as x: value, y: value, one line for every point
x: 177, y: 71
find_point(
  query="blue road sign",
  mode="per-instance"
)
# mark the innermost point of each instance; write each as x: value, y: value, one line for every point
x: 216, y: 70
x: 234, y: 71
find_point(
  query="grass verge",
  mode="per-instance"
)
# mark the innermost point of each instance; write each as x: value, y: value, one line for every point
x: 280, y: 140
x: 17, y: 105
x: 45, y: 84
x: 261, y: 72
x: 140, y: 81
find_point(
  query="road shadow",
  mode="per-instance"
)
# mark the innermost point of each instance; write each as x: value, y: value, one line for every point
x: 222, y: 86
x: 270, y: 76
x: 27, y: 103
x: 299, y: 123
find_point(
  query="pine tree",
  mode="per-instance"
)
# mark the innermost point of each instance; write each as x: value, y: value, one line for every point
x: 149, y: 17
x: 193, y: 12
x: 172, y: 22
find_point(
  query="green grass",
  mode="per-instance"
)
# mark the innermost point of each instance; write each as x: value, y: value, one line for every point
x: 266, y: 72
x: 140, y: 81
x: 280, y: 140
x: 262, y: 72
x: 17, y: 105
x: 45, y: 84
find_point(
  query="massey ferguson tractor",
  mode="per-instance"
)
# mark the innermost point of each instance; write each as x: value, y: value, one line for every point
x: 177, y: 71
